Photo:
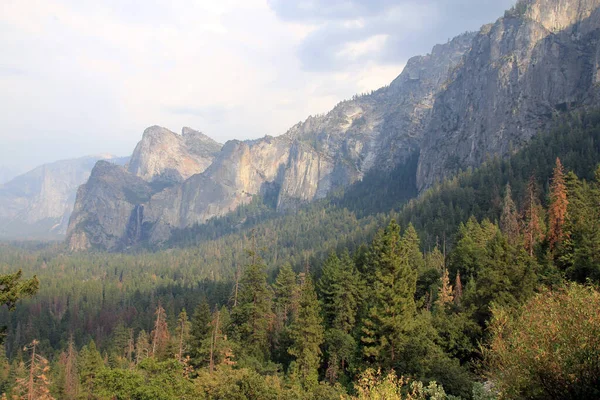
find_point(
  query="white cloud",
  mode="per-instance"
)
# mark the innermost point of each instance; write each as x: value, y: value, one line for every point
x: 85, y: 76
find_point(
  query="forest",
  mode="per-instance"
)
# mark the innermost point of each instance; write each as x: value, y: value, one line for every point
x: 483, y: 287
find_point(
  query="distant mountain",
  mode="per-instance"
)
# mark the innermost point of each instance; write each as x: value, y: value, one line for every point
x: 481, y: 94
x: 38, y: 203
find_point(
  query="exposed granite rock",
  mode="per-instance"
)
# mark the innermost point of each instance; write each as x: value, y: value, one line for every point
x: 106, y: 208
x: 38, y: 203
x: 540, y: 59
x: 166, y: 157
x: 325, y: 152
x: 478, y: 95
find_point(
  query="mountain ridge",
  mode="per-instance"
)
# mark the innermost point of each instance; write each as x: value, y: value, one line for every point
x: 307, y: 162
x: 38, y: 203
x: 480, y: 94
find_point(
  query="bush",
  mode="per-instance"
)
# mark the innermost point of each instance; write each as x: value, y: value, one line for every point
x: 549, y: 348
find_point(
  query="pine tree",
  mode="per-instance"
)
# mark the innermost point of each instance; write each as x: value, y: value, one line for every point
x: 13, y: 288
x: 160, y: 334
x: 252, y: 317
x: 90, y: 363
x: 458, y: 291
x: 68, y: 360
x: 182, y: 334
x: 557, y: 212
x: 142, y: 347
x: 533, y: 231
x: 341, y: 292
x: 285, y: 289
x: 410, y: 249
x: 36, y: 385
x: 445, y: 293
x: 120, y: 340
x: 199, y: 332
x: 307, y: 335
x: 391, y: 317
x: 509, y: 220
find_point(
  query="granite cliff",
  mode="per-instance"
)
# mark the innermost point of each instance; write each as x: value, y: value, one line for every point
x: 481, y: 94
x: 189, y: 183
x: 541, y: 59
x: 38, y: 203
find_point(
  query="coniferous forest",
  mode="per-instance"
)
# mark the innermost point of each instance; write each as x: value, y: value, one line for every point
x: 483, y: 287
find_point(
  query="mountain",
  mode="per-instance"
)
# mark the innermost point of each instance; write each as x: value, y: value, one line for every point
x: 164, y: 156
x: 38, y: 203
x: 481, y: 94
x: 374, y: 131
x: 541, y: 59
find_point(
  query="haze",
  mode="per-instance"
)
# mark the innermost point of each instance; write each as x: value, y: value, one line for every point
x: 86, y: 77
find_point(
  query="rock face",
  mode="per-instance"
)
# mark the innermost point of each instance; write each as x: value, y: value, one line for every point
x: 110, y: 197
x: 39, y: 202
x: 167, y: 157
x: 190, y: 178
x: 540, y: 59
x: 480, y: 94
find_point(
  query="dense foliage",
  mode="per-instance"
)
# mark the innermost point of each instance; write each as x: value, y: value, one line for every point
x: 313, y: 304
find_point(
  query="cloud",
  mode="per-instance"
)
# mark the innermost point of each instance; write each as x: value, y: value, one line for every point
x: 85, y: 77
x: 409, y: 27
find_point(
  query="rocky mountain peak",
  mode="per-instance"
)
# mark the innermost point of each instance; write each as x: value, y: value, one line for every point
x: 480, y: 94
x: 166, y: 157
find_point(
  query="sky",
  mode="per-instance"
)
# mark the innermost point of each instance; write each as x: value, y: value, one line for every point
x: 82, y: 77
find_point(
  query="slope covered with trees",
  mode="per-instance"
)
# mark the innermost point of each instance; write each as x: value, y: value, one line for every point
x: 312, y: 305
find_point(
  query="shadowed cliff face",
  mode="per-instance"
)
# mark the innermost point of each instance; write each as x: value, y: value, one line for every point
x: 477, y: 95
x: 537, y: 61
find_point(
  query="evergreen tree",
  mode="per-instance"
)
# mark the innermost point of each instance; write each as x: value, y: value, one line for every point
x: 12, y: 289
x: 509, y: 219
x: 182, y: 334
x: 445, y: 293
x: 89, y: 365
x: 307, y: 335
x: 252, y: 317
x: 391, y: 317
x: 160, y: 335
x: 458, y: 291
x: 36, y: 385
x: 142, y: 347
x: 341, y: 292
x: 285, y: 290
x: 557, y: 212
x: 410, y: 249
x: 68, y: 360
x: 199, y: 332
x: 534, y: 230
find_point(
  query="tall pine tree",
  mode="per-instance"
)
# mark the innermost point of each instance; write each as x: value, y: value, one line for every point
x: 557, y: 212
x: 391, y: 317
x: 252, y: 317
x: 307, y: 335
